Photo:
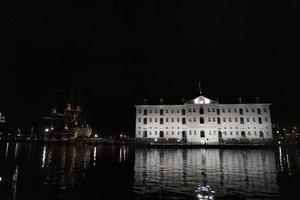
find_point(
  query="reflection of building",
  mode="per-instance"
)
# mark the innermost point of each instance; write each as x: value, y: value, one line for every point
x: 204, y: 121
x: 180, y: 171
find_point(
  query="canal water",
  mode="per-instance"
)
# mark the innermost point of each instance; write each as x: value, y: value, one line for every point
x: 36, y: 171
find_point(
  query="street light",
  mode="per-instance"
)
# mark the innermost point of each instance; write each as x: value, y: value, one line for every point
x: 46, y: 130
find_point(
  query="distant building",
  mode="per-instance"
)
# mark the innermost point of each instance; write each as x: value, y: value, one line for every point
x: 2, y: 118
x: 204, y: 121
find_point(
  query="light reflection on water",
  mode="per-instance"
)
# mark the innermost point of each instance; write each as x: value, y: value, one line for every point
x: 97, y: 172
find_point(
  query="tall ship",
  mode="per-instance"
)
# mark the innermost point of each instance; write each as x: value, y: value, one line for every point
x: 68, y: 122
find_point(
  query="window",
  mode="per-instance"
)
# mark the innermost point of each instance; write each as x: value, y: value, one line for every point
x: 259, y: 111
x: 229, y: 119
x: 145, y: 134
x: 161, y: 134
x: 229, y: 110
x: 172, y: 119
x: 201, y: 120
x: 161, y: 112
x: 190, y: 120
x: 172, y: 111
x: 161, y: 121
x: 167, y: 111
x: 201, y: 110
x: 241, y: 111
x: 237, y: 133
x: 266, y: 119
x: 235, y: 110
x: 194, y: 119
x: 155, y: 119
x: 178, y: 120
x: 242, y: 120
x: 183, y: 112
x: 190, y: 110
x: 223, y: 110
x: 253, y: 110
x: 259, y: 120
x: 190, y: 132
x: 150, y: 120
x: 261, y: 134
x: 150, y: 111
x: 155, y: 111
x: 140, y: 120
x: 218, y: 111
x: 213, y: 110
x: 140, y: 111
x: 224, y: 133
x: 249, y: 133
x: 224, y: 119
x: 208, y: 109
x: 214, y: 119
x: 195, y: 132
x: 253, y: 119
x: 172, y: 132
x: 167, y: 120
x: 194, y: 110
x: 219, y: 120
x: 209, y: 119
x: 150, y: 133
x: 202, y: 134
x: 265, y: 110
x: 255, y: 133
x: 145, y: 112
x: 236, y: 119
x: 145, y: 120
x: 247, y: 119
x: 230, y: 132
x: 183, y: 121
x: 247, y: 110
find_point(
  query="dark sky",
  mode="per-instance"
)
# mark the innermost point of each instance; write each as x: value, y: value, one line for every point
x: 122, y: 51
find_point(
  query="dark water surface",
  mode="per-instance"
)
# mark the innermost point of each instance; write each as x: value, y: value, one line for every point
x: 36, y: 171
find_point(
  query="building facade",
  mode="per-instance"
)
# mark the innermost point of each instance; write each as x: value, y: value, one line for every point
x: 204, y: 121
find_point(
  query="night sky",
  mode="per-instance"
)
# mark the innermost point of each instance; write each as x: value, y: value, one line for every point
x: 122, y: 51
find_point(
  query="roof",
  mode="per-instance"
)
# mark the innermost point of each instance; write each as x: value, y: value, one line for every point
x: 201, y: 100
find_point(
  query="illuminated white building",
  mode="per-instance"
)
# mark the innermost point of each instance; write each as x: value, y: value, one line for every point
x: 204, y: 121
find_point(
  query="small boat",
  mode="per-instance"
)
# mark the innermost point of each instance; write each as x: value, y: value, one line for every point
x: 204, y: 192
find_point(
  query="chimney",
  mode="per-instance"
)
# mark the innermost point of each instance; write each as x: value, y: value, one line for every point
x: 161, y: 101
x: 257, y: 100
x: 240, y: 100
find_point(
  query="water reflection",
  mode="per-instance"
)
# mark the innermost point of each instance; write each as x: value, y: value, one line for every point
x: 177, y: 172
x: 97, y: 172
